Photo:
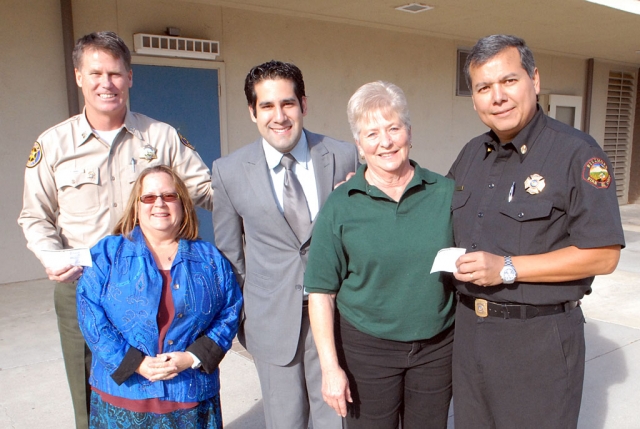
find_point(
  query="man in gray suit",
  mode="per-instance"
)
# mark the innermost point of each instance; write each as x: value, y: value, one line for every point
x: 267, y: 244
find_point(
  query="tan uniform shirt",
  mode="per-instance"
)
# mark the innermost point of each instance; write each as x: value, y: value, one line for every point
x: 76, y: 186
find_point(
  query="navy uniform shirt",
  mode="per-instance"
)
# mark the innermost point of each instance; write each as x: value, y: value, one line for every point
x: 563, y: 195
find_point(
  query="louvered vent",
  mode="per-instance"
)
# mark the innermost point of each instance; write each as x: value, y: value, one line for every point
x: 618, y: 129
x: 182, y: 47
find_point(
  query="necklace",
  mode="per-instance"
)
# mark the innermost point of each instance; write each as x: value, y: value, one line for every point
x: 165, y: 254
x: 171, y: 255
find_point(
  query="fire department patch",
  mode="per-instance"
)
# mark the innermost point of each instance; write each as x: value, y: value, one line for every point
x: 35, y: 156
x: 185, y: 142
x: 596, y: 172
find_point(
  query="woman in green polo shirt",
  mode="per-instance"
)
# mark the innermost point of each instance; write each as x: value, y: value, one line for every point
x: 386, y: 354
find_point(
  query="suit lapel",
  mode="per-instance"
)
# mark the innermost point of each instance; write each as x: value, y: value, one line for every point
x: 323, y: 167
x: 257, y: 173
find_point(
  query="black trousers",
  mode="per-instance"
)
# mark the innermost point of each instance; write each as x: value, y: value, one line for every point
x: 393, y: 381
x: 512, y: 373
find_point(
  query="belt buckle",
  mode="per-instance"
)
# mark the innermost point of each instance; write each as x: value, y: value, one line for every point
x: 481, y: 307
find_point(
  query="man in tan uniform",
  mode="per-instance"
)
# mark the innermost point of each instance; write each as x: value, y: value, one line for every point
x: 79, y: 176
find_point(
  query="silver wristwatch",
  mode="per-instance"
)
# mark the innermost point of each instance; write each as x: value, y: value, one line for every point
x: 508, y: 272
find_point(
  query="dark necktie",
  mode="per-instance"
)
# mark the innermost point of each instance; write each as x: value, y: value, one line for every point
x: 296, y: 211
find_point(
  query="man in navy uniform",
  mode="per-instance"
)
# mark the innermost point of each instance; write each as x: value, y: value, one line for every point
x: 535, y: 206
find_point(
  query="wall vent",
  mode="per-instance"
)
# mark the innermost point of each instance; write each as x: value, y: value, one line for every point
x: 414, y: 8
x: 181, y: 47
x: 618, y: 129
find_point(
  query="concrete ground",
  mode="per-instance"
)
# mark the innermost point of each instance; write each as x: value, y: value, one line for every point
x: 34, y: 392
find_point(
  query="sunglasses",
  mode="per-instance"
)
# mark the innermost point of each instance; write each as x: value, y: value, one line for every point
x: 168, y: 197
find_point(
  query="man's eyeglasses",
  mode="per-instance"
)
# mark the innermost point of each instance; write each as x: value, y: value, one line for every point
x: 168, y: 197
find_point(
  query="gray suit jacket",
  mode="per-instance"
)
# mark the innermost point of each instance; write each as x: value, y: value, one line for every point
x: 268, y: 259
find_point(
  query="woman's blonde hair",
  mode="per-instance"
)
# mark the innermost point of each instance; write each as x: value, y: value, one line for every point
x: 189, y: 226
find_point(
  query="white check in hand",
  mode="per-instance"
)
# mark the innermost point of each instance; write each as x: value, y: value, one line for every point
x: 446, y: 259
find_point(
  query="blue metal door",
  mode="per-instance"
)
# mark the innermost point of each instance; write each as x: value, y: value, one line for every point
x: 186, y: 98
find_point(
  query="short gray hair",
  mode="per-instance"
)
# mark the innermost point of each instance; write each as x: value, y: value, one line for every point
x: 373, y: 99
x: 490, y: 46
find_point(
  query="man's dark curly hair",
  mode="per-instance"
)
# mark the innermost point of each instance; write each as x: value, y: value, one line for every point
x: 273, y: 70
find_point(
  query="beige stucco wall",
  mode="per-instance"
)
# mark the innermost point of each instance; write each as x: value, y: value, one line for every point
x: 335, y: 59
x: 560, y: 75
x: 33, y: 91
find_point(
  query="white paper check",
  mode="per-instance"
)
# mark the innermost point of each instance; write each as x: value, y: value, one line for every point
x: 446, y: 259
x: 61, y: 258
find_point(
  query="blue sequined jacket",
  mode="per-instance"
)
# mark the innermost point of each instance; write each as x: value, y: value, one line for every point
x: 118, y: 300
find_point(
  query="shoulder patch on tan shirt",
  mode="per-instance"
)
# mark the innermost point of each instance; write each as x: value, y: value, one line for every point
x: 185, y: 142
x: 35, y: 156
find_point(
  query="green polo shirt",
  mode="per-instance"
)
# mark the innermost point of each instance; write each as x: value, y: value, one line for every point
x: 376, y: 254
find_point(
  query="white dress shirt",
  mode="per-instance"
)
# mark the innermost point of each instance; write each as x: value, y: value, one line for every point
x: 303, y: 169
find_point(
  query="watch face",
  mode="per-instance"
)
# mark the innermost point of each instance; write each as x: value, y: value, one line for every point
x: 508, y: 274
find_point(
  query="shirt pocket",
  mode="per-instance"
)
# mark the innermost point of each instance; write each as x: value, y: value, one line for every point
x: 526, y: 225
x: 78, y: 190
x: 459, y: 200
x: 140, y: 166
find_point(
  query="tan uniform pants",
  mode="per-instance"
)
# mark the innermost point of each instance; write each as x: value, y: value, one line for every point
x: 76, y: 354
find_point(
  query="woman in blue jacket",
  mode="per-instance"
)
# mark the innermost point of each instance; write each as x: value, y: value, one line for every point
x: 159, y: 309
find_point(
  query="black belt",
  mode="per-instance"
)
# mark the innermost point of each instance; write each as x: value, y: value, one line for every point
x: 484, y: 308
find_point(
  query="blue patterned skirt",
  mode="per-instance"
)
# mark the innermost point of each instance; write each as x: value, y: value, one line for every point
x: 206, y: 415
